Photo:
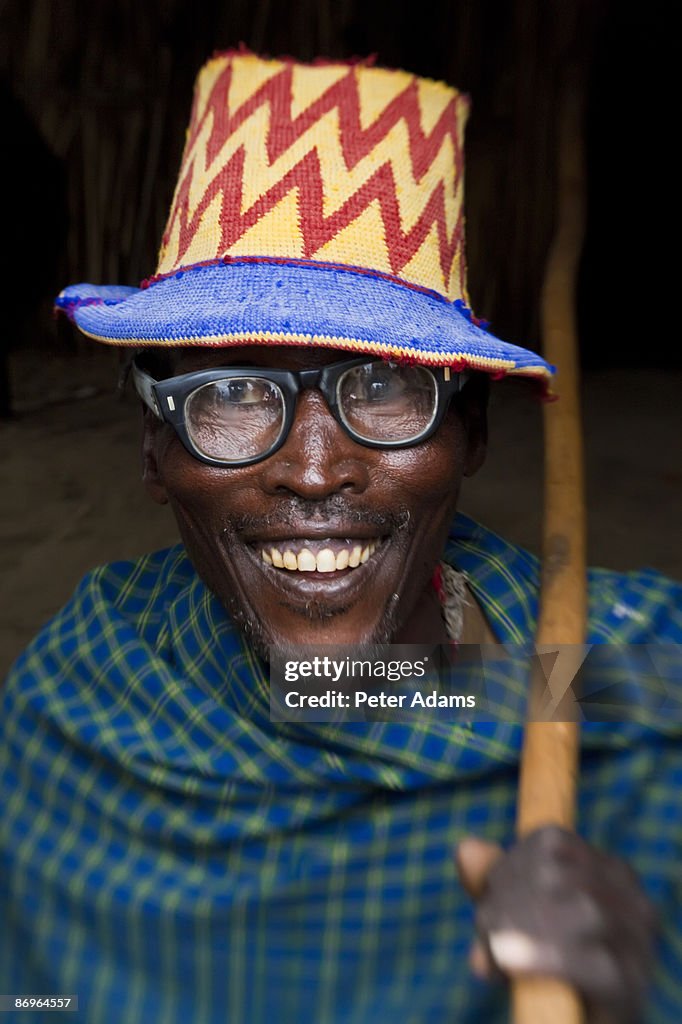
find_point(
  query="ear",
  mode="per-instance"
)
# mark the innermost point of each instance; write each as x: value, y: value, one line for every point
x: 477, y: 446
x: 475, y: 415
x: 151, y: 477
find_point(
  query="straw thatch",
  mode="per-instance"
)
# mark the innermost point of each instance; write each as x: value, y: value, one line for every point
x: 108, y: 86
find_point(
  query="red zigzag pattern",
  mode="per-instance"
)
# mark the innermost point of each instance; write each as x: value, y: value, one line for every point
x: 306, y: 175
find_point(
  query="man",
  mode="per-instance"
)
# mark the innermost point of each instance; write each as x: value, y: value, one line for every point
x: 314, y: 393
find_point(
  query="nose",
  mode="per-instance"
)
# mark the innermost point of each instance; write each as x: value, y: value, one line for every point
x: 318, y: 458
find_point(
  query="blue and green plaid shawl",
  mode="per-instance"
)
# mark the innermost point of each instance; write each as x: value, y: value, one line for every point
x: 170, y: 855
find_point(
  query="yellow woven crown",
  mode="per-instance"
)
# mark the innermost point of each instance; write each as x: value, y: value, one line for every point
x: 336, y: 163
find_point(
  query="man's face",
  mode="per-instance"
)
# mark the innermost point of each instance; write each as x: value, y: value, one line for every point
x: 323, y: 492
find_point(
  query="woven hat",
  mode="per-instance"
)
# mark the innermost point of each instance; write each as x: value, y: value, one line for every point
x: 317, y: 204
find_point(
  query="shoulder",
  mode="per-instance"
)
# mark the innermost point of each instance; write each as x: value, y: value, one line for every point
x: 503, y: 577
x: 642, y: 606
x: 124, y: 596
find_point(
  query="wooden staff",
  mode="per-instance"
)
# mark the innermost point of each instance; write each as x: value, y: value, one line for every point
x: 549, y: 762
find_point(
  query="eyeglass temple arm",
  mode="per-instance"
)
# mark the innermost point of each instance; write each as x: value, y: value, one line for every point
x: 456, y: 377
x: 144, y: 385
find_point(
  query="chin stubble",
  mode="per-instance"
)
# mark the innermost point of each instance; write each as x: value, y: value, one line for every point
x: 261, y: 641
x: 290, y: 516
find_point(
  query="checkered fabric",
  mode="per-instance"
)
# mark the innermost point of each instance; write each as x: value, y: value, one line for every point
x: 171, y: 855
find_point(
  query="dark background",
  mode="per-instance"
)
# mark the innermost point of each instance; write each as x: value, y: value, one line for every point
x: 97, y: 96
x: 95, y: 100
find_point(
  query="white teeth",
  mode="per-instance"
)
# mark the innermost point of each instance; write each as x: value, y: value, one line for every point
x: 354, y: 559
x: 326, y: 560
x: 290, y: 560
x: 306, y: 561
x: 342, y: 559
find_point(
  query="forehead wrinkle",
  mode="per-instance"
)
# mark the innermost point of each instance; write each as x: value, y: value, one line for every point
x: 274, y: 357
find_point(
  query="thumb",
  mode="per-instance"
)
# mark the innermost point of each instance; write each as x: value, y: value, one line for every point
x: 474, y: 859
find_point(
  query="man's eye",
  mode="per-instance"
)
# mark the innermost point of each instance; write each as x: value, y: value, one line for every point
x: 379, y: 387
x: 245, y: 391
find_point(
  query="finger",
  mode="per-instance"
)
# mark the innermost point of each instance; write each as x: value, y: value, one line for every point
x: 475, y: 858
x: 516, y: 954
x: 480, y: 961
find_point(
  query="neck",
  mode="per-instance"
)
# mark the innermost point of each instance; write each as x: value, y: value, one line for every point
x: 426, y: 624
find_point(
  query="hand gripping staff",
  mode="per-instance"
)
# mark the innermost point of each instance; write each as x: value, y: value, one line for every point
x: 549, y: 762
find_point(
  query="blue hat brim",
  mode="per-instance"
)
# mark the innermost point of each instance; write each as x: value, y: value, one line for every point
x: 292, y: 304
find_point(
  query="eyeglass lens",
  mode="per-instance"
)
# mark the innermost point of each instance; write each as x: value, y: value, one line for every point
x: 242, y: 417
x: 384, y: 402
x: 236, y: 418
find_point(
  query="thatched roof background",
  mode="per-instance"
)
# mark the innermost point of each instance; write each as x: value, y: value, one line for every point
x: 108, y: 86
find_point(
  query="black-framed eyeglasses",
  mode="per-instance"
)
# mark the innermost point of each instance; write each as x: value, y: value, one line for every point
x: 237, y: 415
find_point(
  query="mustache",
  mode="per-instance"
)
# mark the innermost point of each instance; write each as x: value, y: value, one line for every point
x: 292, y: 511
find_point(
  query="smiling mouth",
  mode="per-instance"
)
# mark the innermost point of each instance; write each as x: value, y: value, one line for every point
x: 328, y: 556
